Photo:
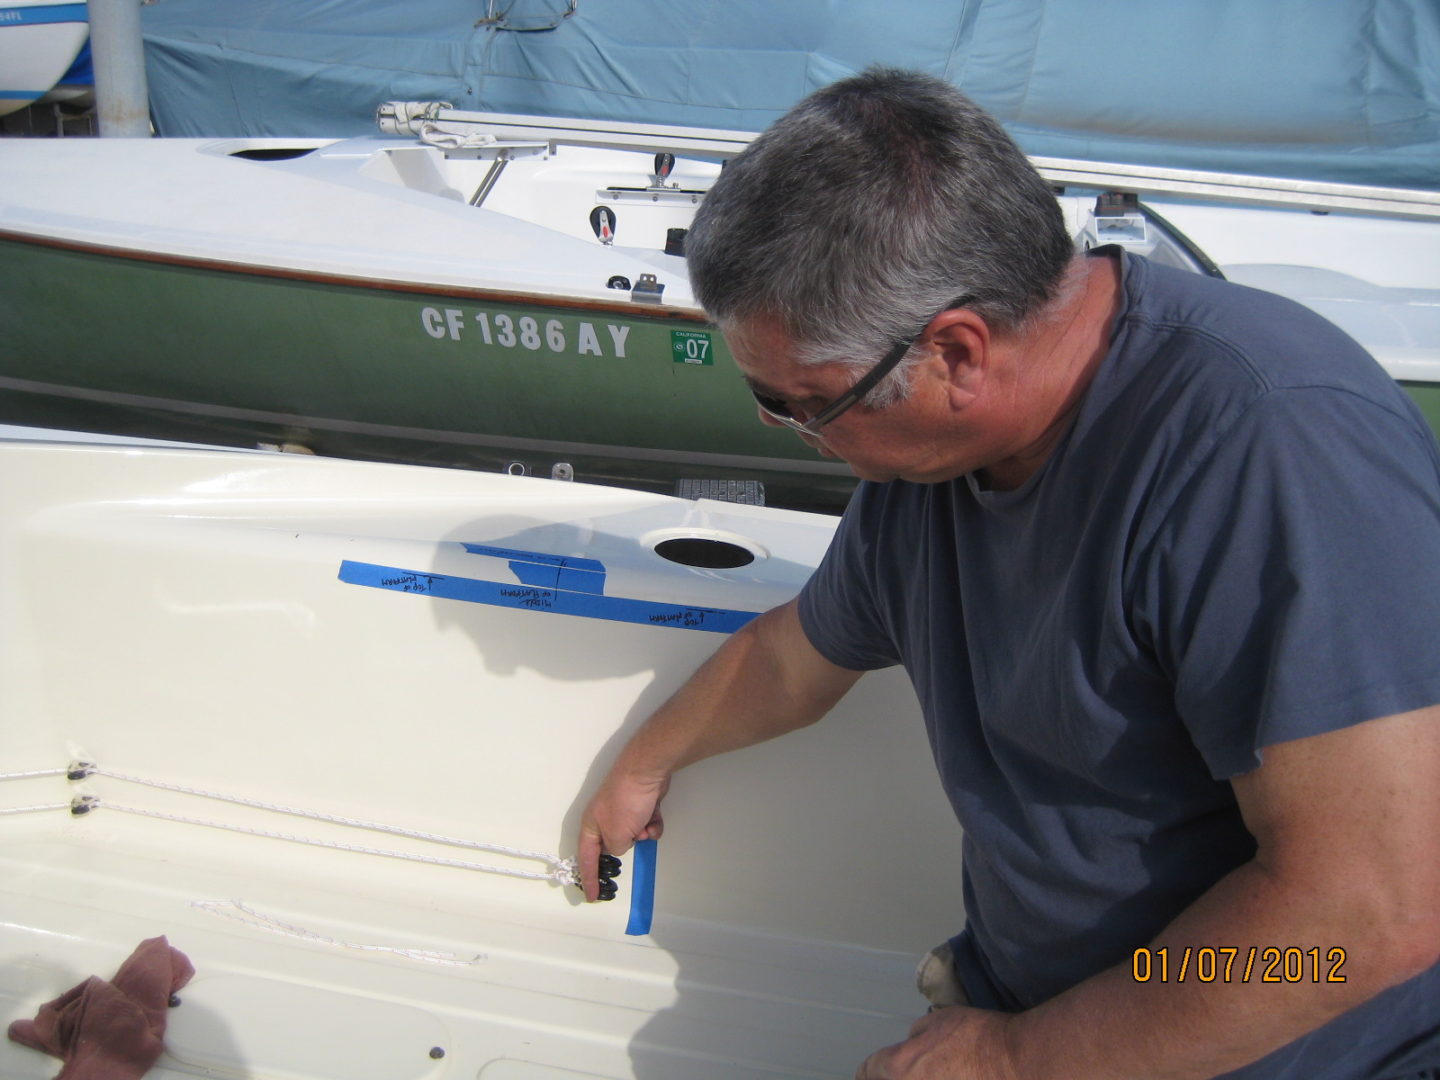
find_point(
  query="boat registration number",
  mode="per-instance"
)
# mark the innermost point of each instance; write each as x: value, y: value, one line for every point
x: 506, y: 331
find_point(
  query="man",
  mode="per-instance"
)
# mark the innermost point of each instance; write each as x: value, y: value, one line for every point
x: 1162, y: 558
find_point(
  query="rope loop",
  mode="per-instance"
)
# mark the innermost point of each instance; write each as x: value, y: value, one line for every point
x: 560, y: 871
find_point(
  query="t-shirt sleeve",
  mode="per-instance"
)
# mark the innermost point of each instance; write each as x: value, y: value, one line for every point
x: 839, y: 606
x: 1293, y: 585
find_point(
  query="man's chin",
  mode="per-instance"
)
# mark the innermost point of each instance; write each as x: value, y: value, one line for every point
x: 874, y: 476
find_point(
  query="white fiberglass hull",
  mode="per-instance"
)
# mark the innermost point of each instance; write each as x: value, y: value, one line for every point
x: 196, y: 618
x: 39, y: 40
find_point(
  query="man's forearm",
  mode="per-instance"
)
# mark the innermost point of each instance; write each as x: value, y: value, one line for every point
x: 1347, y: 831
x: 763, y: 682
x: 1348, y: 858
x: 1175, y: 1015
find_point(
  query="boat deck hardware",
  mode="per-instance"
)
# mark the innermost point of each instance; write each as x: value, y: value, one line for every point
x: 609, y: 869
x: 647, y: 290
x: 1088, y: 175
x: 602, y: 221
x: 747, y: 492
x: 665, y: 196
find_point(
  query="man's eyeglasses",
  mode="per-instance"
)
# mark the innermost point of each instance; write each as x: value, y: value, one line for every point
x: 779, y: 410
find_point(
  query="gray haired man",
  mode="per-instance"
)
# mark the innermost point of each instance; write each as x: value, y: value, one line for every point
x: 1161, y: 556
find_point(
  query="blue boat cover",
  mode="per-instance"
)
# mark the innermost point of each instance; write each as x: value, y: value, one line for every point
x: 1344, y: 90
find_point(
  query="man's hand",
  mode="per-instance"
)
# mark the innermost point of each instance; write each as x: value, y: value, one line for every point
x: 956, y: 1043
x: 625, y: 809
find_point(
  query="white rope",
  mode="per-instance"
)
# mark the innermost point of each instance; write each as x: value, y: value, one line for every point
x: 562, y: 871
x: 33, y: 774
x: 250, y: 917
x: 554, y: 861
x: 564, y: 876
x: 32, y: 809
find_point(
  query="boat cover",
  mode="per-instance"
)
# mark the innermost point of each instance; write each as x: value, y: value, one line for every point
x: 1343, y: 90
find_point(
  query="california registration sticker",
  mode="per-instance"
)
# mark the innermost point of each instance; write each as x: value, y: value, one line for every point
x: 691, y: 347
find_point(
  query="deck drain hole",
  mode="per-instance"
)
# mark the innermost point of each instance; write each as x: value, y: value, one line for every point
x: 705, y: 553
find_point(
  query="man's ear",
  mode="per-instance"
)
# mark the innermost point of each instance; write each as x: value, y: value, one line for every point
x: 962, y: 341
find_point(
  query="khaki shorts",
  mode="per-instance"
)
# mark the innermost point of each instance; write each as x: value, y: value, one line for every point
x: 935, y: 978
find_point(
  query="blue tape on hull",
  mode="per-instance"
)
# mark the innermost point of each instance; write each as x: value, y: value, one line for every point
x: 642, y: 887
x: 538, y: 597
x: 557, y: 571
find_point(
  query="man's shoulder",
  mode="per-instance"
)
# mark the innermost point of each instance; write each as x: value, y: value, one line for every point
x: 1270, y: 339
x: 1207, y: 347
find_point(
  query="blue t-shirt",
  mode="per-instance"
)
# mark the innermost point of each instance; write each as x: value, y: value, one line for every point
x: 1237, y: 543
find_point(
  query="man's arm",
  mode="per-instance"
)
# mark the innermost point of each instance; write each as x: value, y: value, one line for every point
x: 1348, y: 832
x: 767, y: 679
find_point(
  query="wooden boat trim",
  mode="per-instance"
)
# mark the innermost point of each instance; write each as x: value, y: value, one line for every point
x: 631, y: 310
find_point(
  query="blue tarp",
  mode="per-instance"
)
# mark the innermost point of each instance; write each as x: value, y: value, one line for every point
x: 1343, y: 90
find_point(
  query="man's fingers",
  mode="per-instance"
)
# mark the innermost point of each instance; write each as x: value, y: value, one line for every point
x: 877, y: 1065
x: 622, y: 812
x: 591, y: 846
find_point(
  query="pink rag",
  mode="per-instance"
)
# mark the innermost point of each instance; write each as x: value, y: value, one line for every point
x: 111, y: 1030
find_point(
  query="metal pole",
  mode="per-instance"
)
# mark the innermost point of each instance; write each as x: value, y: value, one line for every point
x: 122, y: 97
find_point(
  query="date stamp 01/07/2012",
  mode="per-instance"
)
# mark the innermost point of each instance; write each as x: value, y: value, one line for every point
x: 1237, y: 964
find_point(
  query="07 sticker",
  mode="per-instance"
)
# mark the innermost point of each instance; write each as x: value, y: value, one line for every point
x: 691, y: 347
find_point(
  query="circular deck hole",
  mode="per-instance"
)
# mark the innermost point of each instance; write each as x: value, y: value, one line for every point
x: 274, y: 153
x: 704, y: 552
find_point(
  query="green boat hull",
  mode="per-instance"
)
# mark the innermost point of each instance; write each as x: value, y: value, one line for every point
x: 173, y: 348
x: 616, y: 393
x: 1427, y: 396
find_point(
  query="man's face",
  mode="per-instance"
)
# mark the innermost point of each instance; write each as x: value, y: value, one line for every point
x: 916, y: 439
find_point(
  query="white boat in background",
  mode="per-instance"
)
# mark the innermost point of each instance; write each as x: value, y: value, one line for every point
x: 39, y: 40
x: 293, y: 676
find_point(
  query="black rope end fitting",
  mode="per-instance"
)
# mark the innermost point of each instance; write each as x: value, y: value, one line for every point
x: 607, y: 870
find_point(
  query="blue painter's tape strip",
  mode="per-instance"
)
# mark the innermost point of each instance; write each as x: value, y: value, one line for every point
x: 560, y: 577
x: 556, y: 571
x: 642, y: 887
x: 43, y: 13
x: 539, y: 598
x: 541, y: 557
